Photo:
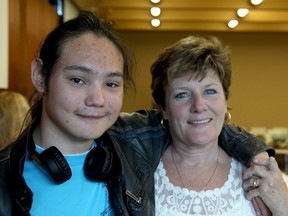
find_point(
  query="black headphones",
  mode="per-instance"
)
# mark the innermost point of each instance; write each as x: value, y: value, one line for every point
x: 100, y: 163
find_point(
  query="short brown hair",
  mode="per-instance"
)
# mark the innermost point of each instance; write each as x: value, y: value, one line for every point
x: 193, y: 54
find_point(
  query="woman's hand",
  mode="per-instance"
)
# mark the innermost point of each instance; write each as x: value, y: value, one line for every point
x: 264, y: 179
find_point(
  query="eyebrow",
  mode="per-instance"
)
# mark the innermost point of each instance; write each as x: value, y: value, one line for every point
x: 79, y: 68
x: 90, y: 71
x: 212, y: 84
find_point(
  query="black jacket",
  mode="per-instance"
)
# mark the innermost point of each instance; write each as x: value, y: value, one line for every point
x: 139, y: 141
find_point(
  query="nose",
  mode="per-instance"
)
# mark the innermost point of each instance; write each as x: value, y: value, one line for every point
x: 198, y: 104
x: 95, y: 97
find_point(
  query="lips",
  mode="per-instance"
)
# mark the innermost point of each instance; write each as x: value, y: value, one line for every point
x: 200, y: 121
x: 91, y: 116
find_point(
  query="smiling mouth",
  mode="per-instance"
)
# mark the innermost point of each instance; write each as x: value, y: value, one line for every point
x: 200, y: 122
x: 91, y: 116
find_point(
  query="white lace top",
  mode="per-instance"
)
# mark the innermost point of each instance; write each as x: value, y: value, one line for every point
x: 229, y: 200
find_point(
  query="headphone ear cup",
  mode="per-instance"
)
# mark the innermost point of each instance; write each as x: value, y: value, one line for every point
x: 55, y: 164
x: 99, y: 164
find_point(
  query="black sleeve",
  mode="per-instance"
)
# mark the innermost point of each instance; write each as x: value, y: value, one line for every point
x: 242, y: 145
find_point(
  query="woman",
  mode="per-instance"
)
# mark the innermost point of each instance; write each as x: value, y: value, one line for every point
x: 65, y: 163
x: 190, y: 83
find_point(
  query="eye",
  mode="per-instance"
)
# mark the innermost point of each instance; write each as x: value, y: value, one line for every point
x: 210, y: 91
x: 77, y: 80
x: 181, y: 95
x: 112, y: 85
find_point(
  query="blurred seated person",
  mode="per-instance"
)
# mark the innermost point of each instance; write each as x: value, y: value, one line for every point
x: 13, y: 109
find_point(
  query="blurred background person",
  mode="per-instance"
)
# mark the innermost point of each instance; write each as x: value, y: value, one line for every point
x: 13, y: 109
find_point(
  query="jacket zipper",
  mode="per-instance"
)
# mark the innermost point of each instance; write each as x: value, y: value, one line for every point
x: 131, y: 195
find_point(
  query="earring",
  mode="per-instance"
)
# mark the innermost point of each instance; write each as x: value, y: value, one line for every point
x: 228, y: 117
x: 164, y: 123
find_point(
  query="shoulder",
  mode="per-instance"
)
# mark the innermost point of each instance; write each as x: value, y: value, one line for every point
x: 139, y: 132
x: 139, y: 122
x: 5, y: 158
x: 139, y: 118
x: 5, y: 154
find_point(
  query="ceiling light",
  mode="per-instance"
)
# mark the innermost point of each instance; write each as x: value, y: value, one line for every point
x: 155, y: 1
x: 242, y: 12
x: 155, y: 22
x: 232, y: 23
x: 155, y: 11
x: 256, y: 2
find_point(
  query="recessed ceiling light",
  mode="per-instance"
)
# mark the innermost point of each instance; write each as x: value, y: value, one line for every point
x: 232, y: 23
x: 256, y: 2
x: 155, y: 11
x: 155, y: 22
x: 155, y: 1
x: 242, y: 12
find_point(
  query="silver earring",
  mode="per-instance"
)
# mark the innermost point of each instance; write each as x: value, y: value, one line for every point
x: 164, y: 123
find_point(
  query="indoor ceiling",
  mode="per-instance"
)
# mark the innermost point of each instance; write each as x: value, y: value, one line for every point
x: 191, y: 15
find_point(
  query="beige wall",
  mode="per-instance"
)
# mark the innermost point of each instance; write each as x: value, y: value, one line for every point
x: 260, y: 74
x: 4, y: 43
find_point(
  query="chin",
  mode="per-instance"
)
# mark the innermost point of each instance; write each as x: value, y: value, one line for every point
x: 89, y: 134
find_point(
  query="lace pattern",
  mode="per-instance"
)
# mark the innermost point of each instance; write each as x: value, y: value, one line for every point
x: 227, y: 200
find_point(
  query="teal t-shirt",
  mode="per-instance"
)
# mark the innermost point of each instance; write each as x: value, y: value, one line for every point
x: 77, y: 196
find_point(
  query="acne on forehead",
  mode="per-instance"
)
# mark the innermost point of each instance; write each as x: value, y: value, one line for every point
x: 92, y: 53
x: 89, y: 41
x: 107, y: 46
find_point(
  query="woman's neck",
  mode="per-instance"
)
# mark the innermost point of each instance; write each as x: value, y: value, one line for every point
x: 197, y: 169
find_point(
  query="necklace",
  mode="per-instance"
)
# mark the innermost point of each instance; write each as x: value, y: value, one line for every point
x: 178, y: 172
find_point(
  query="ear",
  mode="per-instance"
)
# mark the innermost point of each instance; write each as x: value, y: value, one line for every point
x: 164, y: 113
x: 37, y: 75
